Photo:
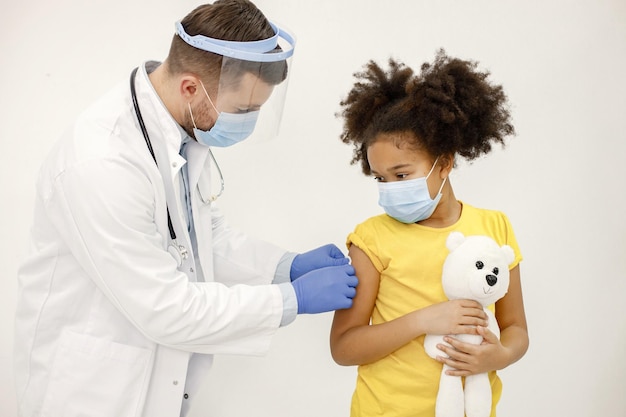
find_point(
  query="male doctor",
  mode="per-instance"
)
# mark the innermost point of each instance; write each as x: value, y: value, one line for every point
x: 134, y: 280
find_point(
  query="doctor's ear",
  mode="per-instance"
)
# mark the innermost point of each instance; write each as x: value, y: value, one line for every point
x: 189, y: 86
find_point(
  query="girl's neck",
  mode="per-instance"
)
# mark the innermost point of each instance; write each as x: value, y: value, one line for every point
x: 448, y: 211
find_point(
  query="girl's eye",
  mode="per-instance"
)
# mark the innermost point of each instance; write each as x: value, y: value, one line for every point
x: 401, y: 176
x: 379, y: 179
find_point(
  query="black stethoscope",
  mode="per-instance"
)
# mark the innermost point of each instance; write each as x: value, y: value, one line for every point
x: 178, y: 252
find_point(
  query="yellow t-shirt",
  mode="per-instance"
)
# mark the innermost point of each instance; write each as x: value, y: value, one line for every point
x: 410, y: 258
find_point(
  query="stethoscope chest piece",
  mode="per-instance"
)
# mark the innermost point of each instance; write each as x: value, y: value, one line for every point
x: 178, y: 252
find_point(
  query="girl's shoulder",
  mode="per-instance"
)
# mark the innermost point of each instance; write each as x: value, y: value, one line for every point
x: 381, y: 223
x: 373, y: 231
x: 473, y: 214
x: 376, y: 220
x: 493, y: 223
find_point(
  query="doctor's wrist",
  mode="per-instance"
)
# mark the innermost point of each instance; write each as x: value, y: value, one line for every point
x: 283, y: 269
x: 290, y: 303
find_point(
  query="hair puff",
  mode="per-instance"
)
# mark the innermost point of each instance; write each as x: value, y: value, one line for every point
x: 450, y: 107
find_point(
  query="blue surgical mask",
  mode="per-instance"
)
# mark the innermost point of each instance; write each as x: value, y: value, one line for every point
x: 229, y: 128
x: 409, y: 201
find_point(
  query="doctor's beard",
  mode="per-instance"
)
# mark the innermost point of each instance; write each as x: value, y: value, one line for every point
x: 200, y: 113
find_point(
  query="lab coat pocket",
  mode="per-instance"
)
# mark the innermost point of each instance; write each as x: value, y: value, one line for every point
x: 97, y: 378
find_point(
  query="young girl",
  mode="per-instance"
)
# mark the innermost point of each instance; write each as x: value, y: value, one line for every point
x: 407, y: 131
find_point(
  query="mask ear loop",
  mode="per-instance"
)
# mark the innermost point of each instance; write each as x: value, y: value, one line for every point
x: 209, y: 97
x: 433, y: 167
x: 431, y: 171
x: 210, y: 101
x: 442, y: 184
x: 191, y: 113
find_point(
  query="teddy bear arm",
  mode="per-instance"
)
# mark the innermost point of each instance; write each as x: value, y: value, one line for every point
x: 430, y: 345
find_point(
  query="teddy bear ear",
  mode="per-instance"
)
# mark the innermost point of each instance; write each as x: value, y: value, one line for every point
x: 454, y: 240
x: 508, y: 253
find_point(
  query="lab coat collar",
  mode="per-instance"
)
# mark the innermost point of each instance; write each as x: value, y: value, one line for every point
x: 164, y: 127
x: 170, y: 131
x: 196, y: 157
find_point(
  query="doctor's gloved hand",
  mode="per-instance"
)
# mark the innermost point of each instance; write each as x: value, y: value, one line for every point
x: 327, y: 255
x: 326, y: 289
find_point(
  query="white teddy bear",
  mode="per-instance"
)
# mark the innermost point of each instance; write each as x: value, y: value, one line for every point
x: 477, y: 268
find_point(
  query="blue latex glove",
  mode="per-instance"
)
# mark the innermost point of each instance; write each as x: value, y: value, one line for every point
x: 327, y: 255
x: 326, y: 289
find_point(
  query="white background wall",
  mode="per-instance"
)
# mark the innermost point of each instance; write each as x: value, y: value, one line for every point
x: 561, y: 180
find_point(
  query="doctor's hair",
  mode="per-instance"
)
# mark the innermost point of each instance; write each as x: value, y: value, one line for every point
x: 231, y: 20
x: 450, y: 108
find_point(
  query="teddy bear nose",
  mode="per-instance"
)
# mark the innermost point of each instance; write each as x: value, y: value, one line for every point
x: 491, y: 280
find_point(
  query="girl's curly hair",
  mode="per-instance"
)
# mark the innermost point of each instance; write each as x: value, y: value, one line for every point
x: 450, y: 107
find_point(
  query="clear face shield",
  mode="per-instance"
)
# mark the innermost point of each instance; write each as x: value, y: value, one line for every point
x: 249, y: 96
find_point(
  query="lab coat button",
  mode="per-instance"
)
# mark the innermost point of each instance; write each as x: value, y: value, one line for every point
x: 186, y: 396
x: 190, y: 269
x: 174, y: 164
x: 175, y: 382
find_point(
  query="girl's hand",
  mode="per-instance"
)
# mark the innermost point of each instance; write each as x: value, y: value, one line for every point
x: 467, y: 359
x: 452, y: 317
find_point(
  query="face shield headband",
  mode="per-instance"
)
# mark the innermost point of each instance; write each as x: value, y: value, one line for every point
x: 257, y: 51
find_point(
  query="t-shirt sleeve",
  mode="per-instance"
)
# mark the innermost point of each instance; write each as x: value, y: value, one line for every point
x: 509, y: 239
x: 363, y: 238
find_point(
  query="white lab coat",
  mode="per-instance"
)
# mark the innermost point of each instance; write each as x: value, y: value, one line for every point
x: 107, y: 324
